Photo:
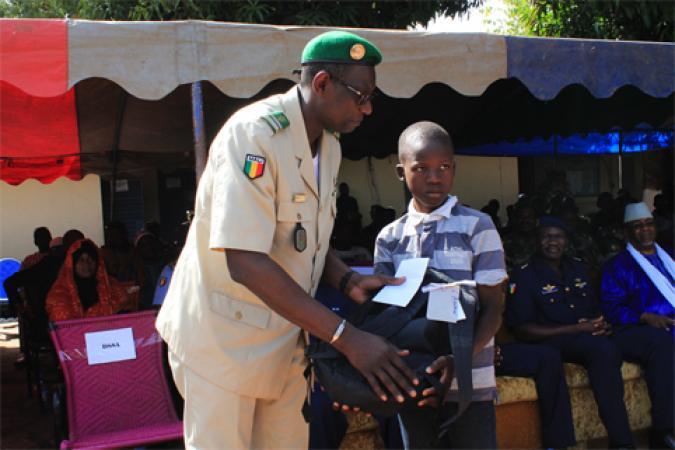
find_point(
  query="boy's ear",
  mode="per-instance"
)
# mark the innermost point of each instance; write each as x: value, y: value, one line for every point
x: 400, y: 173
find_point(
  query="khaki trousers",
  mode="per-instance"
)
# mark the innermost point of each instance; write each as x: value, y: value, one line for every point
x: 216, y: 418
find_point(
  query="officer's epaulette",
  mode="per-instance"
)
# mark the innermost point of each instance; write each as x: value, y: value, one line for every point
x: 277, y: 121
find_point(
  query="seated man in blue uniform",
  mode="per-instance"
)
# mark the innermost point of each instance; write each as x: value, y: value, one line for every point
x: 554, y: 304
x: 638, y: 298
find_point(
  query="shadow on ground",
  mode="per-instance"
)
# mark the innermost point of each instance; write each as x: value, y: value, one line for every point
x: 23, y: 424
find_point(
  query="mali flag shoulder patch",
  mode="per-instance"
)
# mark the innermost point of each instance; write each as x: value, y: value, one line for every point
x: 254, y: 166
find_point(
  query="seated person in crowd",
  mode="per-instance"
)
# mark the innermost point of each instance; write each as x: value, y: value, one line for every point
x: 369, y: 233
x: 348, y: 210
x: 663, y: 219
x: 344, y: 246
x: 580, y: 242
x: 553, y: 303
x: 41, y: 238
x: 164, y: 280
x: 638, y: 298
x: 492, y: 210
x: 520, y: 242
x: 122, y: 261
x: 36, y: 281
x: 83, y: 287
x: 151, y: 251
x: 463, y: 244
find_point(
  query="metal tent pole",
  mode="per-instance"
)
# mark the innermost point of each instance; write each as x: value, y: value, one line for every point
x: 198, y: 128
x: 122, y: 104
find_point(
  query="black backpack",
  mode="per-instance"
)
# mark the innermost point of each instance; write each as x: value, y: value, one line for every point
x: 407, y: 328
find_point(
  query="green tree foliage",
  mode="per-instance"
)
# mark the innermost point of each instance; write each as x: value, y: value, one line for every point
x: 644, y: 20
x: 370, y: 14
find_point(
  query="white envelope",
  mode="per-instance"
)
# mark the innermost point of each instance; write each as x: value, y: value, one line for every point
x: 413, y: 270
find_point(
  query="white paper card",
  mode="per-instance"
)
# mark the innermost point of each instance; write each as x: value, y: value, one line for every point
x: 444, y: 305
x: 110, y: 346
x: 413, y: 270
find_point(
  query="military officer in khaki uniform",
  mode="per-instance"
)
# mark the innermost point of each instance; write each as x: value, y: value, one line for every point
x: 255, y: 253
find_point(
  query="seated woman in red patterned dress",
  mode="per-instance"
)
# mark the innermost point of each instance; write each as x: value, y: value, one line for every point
x: 84, y: 288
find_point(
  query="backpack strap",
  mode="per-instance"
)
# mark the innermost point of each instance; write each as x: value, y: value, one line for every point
x: 461, y: 339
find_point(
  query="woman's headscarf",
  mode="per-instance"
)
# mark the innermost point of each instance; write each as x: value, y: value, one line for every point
x: 86, y: 287
x: 72, y: 297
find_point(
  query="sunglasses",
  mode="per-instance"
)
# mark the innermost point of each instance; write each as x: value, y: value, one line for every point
x: 361, y: 98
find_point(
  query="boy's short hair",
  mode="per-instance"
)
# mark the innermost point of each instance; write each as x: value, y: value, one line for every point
x: 424, y: 131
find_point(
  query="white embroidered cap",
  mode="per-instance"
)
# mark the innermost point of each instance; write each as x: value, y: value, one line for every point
x: 636, y: 211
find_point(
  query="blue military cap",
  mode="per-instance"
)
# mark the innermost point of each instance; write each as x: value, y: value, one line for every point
x: 552, y: 222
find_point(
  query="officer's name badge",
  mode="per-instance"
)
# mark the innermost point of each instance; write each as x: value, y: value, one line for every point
x: 549, y: 289
x: 254, y: 166
x: 512, y: 288
x: 299, y: 198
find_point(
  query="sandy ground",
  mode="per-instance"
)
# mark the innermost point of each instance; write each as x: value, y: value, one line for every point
x: 23, y: 424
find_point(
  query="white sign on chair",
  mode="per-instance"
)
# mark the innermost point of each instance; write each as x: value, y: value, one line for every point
x: 110, y: 346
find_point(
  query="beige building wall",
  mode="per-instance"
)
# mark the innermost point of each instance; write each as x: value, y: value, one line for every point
x: 478, y: 180
x: 60, y: 206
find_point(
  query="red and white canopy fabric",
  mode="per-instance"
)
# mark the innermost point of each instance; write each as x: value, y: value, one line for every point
x: 73, y: 89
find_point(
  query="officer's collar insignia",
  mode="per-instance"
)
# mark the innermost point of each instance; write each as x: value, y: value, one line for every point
x: 549, y: 289
x: 277, y: 121
x: 254, y: 166
x: 162, y: 281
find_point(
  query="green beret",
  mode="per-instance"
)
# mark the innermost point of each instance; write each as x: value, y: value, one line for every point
x: 341, y: 47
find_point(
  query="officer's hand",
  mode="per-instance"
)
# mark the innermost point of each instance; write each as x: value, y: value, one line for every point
x: 380, y: 363
x: 445, y: 365
x: 360, y: 286
x: 657, y: 320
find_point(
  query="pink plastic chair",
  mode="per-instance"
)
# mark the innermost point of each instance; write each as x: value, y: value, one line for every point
x: 115, y: 404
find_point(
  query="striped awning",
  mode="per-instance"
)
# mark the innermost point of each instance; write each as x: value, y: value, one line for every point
x: 45, y: 65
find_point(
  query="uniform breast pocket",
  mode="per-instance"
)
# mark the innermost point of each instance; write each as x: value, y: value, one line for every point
x: 549, y: 299
x: 294, y: 224
x: 293, y: 212
x: 240, y: 311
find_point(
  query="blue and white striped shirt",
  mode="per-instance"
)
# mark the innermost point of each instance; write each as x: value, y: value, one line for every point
x: 460, y: 242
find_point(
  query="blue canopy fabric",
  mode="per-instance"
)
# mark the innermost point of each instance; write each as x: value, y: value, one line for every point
x: 546, y: 66
x: 614, y: 142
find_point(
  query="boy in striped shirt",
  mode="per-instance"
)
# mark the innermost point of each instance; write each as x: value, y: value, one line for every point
x: 464, y: 244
